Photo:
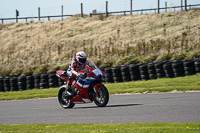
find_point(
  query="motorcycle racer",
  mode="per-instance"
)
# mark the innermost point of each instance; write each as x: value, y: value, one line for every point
x: 78, y: 62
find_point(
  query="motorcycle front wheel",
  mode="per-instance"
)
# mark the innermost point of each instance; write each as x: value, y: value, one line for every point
x: 64, y: 99
x: 102, y: 99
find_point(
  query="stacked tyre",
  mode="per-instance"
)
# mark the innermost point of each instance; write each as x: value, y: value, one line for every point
x: 108, y: 75
x: 197, y: 66
x: 189, y: 67
x: 168, y: 70
x: 134, y: 72
x: 44, y: 81
x: 13, y: 84
x: 30, y: 82
x: 159, y: 69
x: 60, y: 82
x: 125, y: 73
x: 151, y: 71
x: 1, y: 85
x: 144, y: 72
x: 103, y: 68
x: 6, y: 84
x: 53, y: 80
x: 22, y: 82
x: 178, y: 68
x: 37, y: 81
x: 116, y: 73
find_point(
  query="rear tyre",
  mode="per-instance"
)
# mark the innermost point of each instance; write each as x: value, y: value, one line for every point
x: 102, y: 99
x: 64, y: 99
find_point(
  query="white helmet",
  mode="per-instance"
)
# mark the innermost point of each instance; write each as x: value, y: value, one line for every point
x: 81, y: 57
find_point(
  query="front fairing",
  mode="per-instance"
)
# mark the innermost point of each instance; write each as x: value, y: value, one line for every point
x: 86, y: 86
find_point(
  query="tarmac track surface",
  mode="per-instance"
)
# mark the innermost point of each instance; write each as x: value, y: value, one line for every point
x: 162, y: 107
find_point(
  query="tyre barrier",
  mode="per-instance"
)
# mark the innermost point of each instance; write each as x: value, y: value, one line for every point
x: 60, y: 82
x: 108, y: 75
x: 168, y: 70
x: 134, y: 72
x: 53, y: 80
x: 178, y: 68
x: 125, y: 73
x: 13, y: 84
x: 189, y: 67
x: 44, y: 81
x: 151, y: 71
x: 116, y: 73
x: 29, y: 82
x: 6, y: 84
x: 197, y: 66
x: 1, y: 85
x: 144, y: 72
x: 22, y: 82
x: 159, y: 69
x: 37, y: 80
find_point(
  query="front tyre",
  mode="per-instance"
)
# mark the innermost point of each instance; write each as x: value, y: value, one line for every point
x: 102, y: 99
x: 64, y: 99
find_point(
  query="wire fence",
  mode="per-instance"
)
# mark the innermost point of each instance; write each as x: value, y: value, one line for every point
x: 92, y: 7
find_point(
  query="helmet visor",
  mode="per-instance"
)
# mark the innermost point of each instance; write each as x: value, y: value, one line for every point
x: 82, y: 60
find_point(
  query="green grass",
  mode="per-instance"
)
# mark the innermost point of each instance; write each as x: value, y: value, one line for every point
x: 105, y: 128
x: 159, y: 85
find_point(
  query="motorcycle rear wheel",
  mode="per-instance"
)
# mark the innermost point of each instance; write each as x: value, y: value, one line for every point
x: 102, y: 99
x: 64, y: 100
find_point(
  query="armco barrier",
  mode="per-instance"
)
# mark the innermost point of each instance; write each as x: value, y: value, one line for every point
x: 125, y: 73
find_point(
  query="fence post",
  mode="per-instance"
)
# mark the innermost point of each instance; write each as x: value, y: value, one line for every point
x: 82, y: 10
x: 158, y: 6
x: 181, y: 5
x: 62, y: 12
x: 165, y: 6
x: 17, y: 14
x: 185, y: 5
x: 106, y: 9
x: 131, y: 7
x: 38, y: 13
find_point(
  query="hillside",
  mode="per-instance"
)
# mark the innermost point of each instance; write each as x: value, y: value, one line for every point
x: 37, y: 46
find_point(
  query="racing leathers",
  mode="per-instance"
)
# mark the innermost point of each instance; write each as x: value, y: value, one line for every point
x: 73, y: 69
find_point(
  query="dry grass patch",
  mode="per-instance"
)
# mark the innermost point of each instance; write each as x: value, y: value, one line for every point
x: 108, y: 40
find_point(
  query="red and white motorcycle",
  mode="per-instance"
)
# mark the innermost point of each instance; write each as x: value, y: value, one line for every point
x: 90, y: 88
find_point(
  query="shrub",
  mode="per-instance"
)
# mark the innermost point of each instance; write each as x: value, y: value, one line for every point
x: 149, y: 59
x: 164, y: 57
x: 64, y: 67
x: 54, y: 68
x: 133, y: 60
x: 28, y: 70
x: 193, y: 55
x: 178, y: 56
x: 42, y: 69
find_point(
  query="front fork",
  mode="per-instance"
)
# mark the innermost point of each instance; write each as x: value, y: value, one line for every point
x: 96, y: 86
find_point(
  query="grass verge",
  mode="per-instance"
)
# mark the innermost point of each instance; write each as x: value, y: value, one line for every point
x: 158, y: 85
x: 106, y: 128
